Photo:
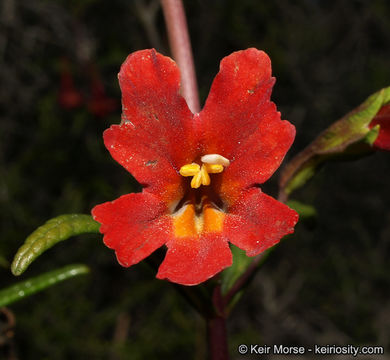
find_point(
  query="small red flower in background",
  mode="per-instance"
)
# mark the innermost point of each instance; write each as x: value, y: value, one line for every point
x: 68, y: 96
x: 99, y: 103
x: 200, y: 172
x: 382, y: 119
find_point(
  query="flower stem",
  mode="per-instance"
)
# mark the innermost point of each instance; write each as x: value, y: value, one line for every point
x: 180, y: 44
x: 216, y: 328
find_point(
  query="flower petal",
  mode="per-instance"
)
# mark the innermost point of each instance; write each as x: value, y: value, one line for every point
x: 258, y: 158
x: 145, y: 160
x: 383, y: 119
x: 240, y: 122
x: 135, y: 225
x: 257, y: 221
x: 155, y: 137
x: 192, y: 260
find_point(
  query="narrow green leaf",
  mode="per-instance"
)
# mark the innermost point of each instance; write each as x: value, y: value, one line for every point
x: 305, y: 211
x: 348, y: 138
x: 53, y: 231
x: 31, y: 286
x: 232, y: 273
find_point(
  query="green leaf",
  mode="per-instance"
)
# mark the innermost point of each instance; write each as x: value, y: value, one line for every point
x: 349, y: 137
x: 53, y: 231
x: 372, y: 135
x: 305, y: 211
x: 31, y: 286
x: 240, y: 263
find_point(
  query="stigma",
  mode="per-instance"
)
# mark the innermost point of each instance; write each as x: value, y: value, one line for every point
x: 211, y: 164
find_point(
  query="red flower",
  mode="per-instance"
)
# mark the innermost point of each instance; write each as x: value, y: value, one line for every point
x: 68, y: 97
x: 192, y: 203
x: 383, y: 119
x: 99, y: 103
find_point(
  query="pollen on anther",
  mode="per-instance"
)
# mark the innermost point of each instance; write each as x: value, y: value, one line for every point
x: 212, y: 164
x: 215, y: 159
x: 213, y: 168
x: 204, y: 176
x: 189, y: 169
x: 196, y: 180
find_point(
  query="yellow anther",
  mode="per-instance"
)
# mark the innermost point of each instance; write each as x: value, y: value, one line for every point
x: 212, y: 164
x: 196, y: 180
x: 213, y: 168
x: 189, y: 169
x: 204, y: 176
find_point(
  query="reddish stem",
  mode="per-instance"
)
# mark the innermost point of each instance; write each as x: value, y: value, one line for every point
x: 216, y: 328
x: 180, y: 44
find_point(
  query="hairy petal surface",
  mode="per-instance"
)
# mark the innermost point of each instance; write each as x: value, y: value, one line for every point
x: 135, y: 225
x: 237, y: 95
x: 257, y: 221
x: 156, y: 122
x: 192, y: 260
x: 241, y: 123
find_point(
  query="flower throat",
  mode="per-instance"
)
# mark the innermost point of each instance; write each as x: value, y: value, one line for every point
x: 201, y: 210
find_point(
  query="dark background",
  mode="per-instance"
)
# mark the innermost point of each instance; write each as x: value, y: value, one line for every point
x: 323, y: 285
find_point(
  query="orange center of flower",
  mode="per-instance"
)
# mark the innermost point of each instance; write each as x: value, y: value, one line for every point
x: 196, y: 218
x: 192, y: 220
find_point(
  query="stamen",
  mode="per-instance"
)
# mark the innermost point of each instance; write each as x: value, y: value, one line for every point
x: 213, y: 168
x: 204, y: 176
x: 196, y: 180
x: 215, y: 159
x: 189, y: 169
x: 212, y: 164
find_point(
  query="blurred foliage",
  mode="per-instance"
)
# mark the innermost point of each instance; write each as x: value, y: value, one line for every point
x: 328, y: 285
